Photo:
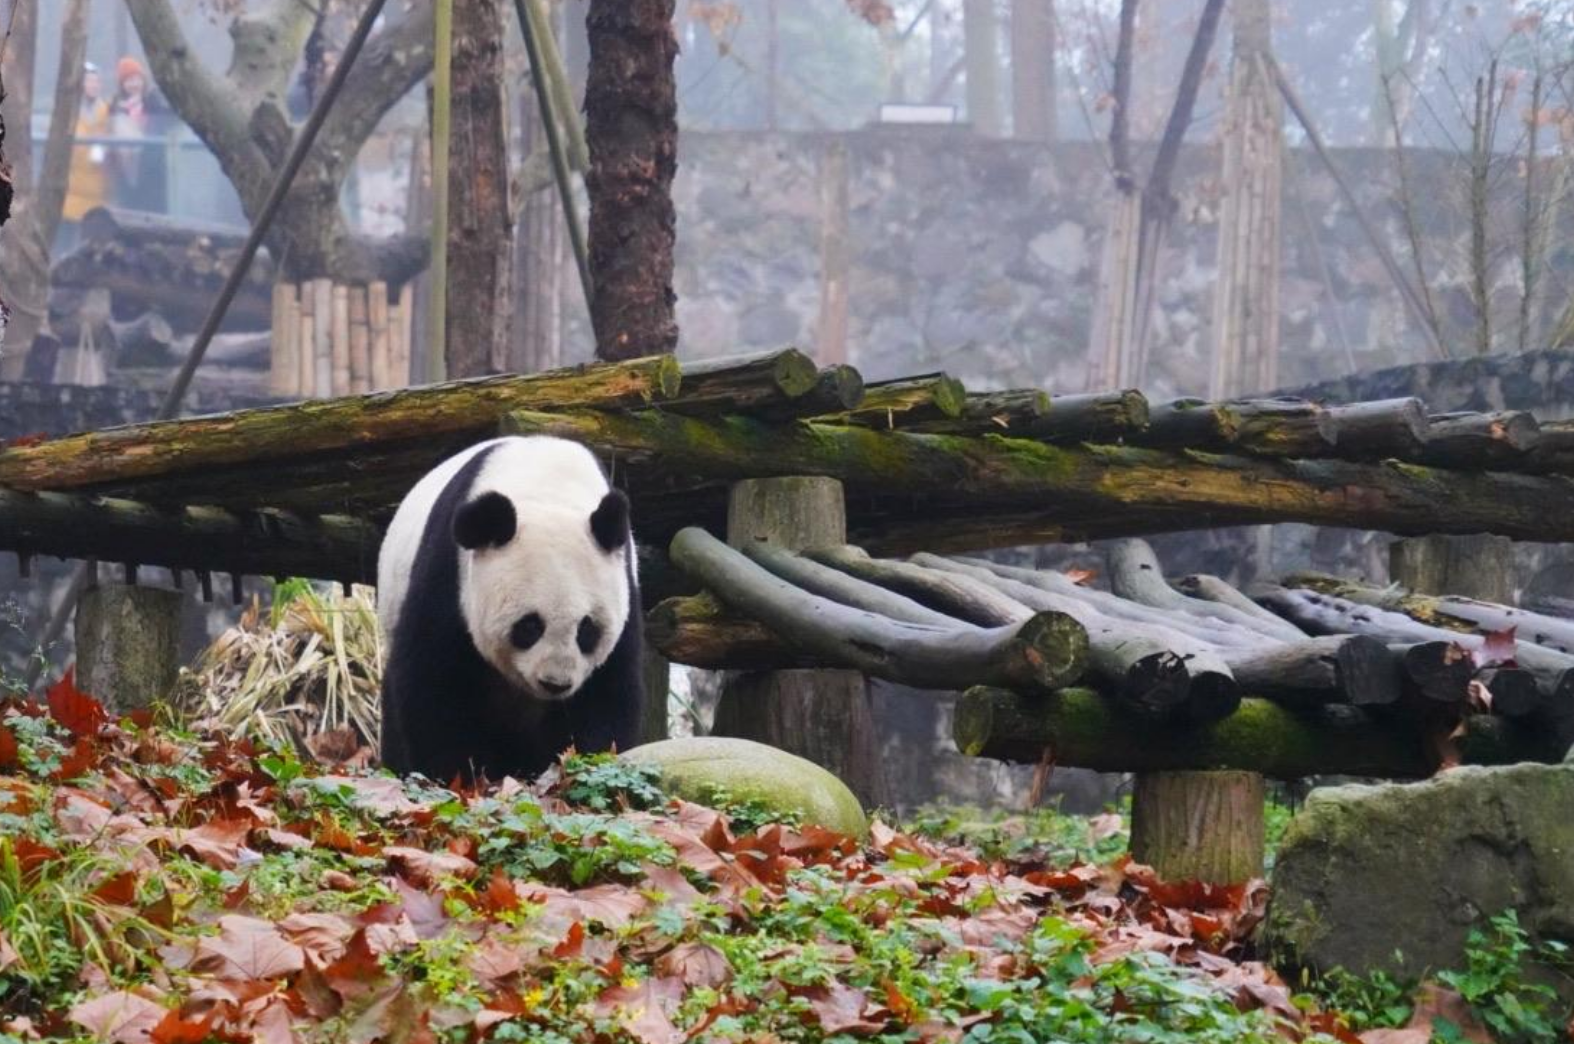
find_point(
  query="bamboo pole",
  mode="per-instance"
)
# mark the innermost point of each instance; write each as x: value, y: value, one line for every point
x: 377, y: 321
x: 322, y: 337
x: 340, y: 346
x: 306, y: 354
x: 399, y: 353
x: 360, y: 343
x: 283, y: 367
x: 442, y: 83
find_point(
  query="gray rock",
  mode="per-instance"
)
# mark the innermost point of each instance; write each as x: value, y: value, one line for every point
x: 1367, y: 870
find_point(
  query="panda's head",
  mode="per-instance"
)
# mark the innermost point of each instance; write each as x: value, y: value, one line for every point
x: 544, y: 587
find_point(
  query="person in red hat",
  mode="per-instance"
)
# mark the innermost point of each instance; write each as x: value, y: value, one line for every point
x: 138, y: 112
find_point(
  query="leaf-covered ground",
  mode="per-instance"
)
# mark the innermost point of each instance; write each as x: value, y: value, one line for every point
x: 161, y: 886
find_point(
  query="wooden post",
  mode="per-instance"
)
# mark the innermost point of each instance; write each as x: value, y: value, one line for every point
x: 283, y: 367
x: 1480, y: 566
x: 1246, y: 296
x: 824, y: 716
x: 1199, y: 826
x: 831, y: 329
x: 360, y: 343
x: 341, y: 340
x: 658, y: 681
x: 377, y: 321
x: 404, y: 333
x: 306, y: 342
x: 127, y: 644
x: 322, y: 336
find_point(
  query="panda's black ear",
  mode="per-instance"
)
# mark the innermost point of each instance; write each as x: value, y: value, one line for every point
x: 486, y: 521
x: 609, y: 523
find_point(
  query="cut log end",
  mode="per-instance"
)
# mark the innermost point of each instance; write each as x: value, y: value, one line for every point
x: 1056, y: 646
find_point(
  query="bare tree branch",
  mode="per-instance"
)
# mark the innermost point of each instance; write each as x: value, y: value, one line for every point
x: 50, y: 193
x: 1185, y: 101
x: 1120, y: 117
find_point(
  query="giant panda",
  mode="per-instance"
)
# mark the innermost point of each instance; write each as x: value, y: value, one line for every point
x: 508, y: 601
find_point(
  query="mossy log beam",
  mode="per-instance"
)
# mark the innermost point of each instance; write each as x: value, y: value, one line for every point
x: 999, y: 491
x: 987, y: 413
x: 741, y: 383
x: 1044, y: 652
x: 837, y: 389
x: 1264, y: 427
x: 697, y: 631
x: 122, y: 456
x: 1451, y: 612
x: 1080, y: 728
x: 895, y: 404
x: 262, y: 543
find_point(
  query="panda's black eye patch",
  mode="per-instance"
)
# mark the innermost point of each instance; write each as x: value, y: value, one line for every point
x: 589, y: 634
x: 527, y: 631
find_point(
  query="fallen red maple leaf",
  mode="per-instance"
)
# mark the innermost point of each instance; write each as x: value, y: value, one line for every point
x: 123, y: 1016
x: 695, y: 964
x: 840, y: 1009
x: 645, y: 1010
x: 75, y: 710
x: 8, y: 749
x: 248, y: 948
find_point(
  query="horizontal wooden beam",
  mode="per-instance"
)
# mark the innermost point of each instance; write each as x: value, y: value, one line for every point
x: 1019, y: 491
x: 1081, y: 728
x: 262, y: 543
x: 297, y: 432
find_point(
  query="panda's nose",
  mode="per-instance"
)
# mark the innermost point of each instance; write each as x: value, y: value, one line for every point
x: 556, y: 688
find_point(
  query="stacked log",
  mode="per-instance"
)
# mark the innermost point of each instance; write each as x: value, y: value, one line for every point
x: 333, y: 340
x: 1082, y: 670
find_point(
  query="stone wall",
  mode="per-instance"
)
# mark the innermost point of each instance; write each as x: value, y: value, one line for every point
x: 28, y: 408
x: 980, y: 257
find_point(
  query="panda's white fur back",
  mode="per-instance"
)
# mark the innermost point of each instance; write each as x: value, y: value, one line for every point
x: 550, y: 479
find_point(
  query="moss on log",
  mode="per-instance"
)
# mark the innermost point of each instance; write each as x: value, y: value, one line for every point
x: 996, y: 491
x: 1266, y: 427
x: 896, y: 404
x: 987, y: 413
x: 740, y: 383
x: 119, y: 456
x: 1081, y: 728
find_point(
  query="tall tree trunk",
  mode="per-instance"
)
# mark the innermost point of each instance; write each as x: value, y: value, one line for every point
x: 1246, y: 297
x: 24, y: 266
x: 480, y: 223
x: 631, y: 126
x: 1140, y: 218
x: 983, y: 66
x: 1033, y: 70
x: 540, y: 260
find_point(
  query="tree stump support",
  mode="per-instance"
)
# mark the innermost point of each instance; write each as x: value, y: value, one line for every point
x: 1480, y: 566
x: 127, y: 644
x: 822, y: 715
x: 1202, y: 826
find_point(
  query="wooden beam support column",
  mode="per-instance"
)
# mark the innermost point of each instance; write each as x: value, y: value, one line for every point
x: 825, y: 716
x: 128, y: 644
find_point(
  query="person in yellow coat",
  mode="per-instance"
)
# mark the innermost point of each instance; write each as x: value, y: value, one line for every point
x: 88, y: 183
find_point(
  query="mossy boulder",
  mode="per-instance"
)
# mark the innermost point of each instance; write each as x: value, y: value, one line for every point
x: 702, y: 767
x: 1368, y: 870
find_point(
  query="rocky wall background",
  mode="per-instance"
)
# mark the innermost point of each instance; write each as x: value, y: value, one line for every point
x: 980, y: 257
